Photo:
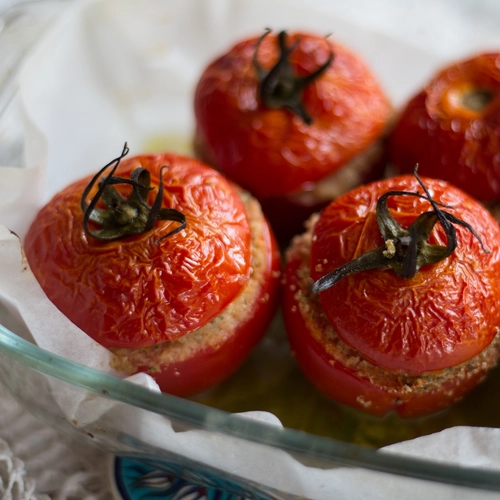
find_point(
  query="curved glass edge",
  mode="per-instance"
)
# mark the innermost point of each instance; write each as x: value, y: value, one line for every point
x: 329, y: 451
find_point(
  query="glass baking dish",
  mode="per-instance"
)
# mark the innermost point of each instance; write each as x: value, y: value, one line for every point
x: 321, y: 452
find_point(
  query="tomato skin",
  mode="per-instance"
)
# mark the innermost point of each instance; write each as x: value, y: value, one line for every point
x: 444, y: 315
x: 449, y: 140
x: 344, y: 384
x: 134, y: 292
x: 271, y: 152
x: 210, y: 366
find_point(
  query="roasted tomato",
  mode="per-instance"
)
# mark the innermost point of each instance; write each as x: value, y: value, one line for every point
x: 295, y: 119
x: 451, y: 128
x: 162, y: 261
x: 403, y: 313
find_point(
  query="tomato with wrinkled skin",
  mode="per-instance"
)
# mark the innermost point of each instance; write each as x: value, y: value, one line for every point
x: 273, y: 152
x: 143, y: 291
x: 396, y: 329
x: 451, y: 128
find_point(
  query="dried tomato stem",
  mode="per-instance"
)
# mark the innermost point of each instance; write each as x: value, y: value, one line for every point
x: 404, y: 250
x: 279, y: 87
x: 125, y: 216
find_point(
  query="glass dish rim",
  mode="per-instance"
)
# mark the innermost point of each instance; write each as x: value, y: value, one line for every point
x: 335, y: 452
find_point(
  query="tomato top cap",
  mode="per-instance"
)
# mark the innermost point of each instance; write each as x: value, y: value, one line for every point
x: 134, y: 291
x: 280, y: 112
x: 420, y: 318
x: 404, y: 250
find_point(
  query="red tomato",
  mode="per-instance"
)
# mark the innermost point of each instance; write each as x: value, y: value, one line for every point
x: 271, y: 148
x: 451, y: 128
x: 381, y: 342
x: 143, y: 290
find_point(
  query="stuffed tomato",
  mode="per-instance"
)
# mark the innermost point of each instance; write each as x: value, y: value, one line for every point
x: 164, y: 262
x: 391, y: 296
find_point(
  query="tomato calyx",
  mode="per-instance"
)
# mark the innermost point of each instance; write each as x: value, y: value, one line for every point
x: 279, y: 87
x: 125, y: 216
x: 404, y: 250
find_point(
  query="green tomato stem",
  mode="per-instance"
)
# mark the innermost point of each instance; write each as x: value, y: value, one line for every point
x: 279, y: 87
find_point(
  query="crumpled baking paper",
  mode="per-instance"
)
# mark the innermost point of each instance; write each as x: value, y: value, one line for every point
x: 112, y: 71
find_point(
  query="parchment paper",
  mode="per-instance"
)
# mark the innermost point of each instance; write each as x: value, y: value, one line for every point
x: 113, y: 71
